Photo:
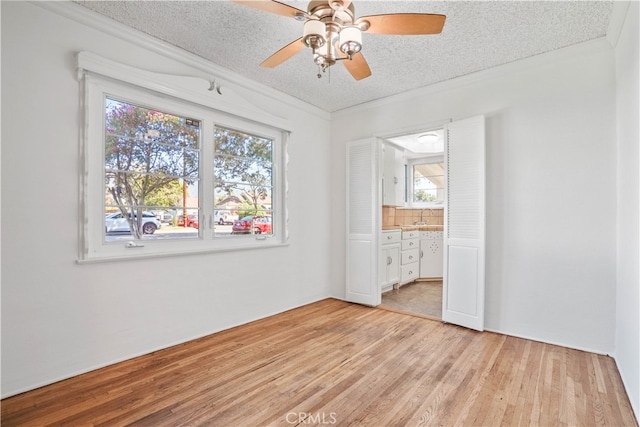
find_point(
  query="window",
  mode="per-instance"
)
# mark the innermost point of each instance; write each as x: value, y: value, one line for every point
x: 166, y: 176
x: 426, y: 185
x: 151, y: 170
x: 243, y: 181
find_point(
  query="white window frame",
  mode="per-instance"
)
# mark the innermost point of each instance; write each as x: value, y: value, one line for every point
x: 135, y: 89
x: 439, y: 158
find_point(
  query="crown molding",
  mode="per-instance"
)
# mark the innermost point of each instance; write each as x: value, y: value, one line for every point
x: 581, y: 49
x: 616, y: 22
x: 118, y: 30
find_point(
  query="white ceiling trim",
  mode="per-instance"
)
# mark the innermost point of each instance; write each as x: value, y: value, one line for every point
x: 618, y: 16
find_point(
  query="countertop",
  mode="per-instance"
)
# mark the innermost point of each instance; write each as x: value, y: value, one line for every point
x: 413, y: 227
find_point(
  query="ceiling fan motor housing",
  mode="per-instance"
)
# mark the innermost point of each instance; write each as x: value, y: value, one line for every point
x: 338, y: 23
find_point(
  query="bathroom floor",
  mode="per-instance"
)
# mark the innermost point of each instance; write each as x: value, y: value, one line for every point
x: 423, y: 298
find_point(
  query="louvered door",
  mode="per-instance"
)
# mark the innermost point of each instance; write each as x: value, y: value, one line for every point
x: 363, y: 221
x: 464, y: 240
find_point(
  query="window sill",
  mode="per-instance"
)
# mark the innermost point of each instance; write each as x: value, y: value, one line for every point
x: 425, y: 205
x: 131, y: 255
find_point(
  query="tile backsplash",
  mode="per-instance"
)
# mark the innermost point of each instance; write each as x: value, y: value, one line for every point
x: 402, y: 216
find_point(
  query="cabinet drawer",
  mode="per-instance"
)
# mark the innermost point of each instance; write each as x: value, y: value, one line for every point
x: 409, y: 256
x: 390, y: 237
x: 409, y: 273
x: 410, y: 244
x: 411, y: 234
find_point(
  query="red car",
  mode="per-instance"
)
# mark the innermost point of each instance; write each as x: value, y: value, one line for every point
x: 192, y: 221
x: 260, y: 224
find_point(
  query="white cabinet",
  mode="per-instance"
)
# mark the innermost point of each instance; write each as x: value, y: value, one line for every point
x: 389, y: 258
x: 393, y: 180
x: 410, y: 256
x: 431, y: 244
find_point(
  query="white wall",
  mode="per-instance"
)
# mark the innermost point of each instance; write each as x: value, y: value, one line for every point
x: 627, y: 335
x: 551, y: 187
x: 60, y: 318
x: 551, y: 220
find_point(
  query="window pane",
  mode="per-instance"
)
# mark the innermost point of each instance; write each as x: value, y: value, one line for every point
x: 151, y: 170
x: 428, y: 182
x: 231, y: 143
x: 243, y: 183
x: 168, y: 194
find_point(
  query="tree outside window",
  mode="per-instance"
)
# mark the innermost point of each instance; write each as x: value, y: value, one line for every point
x: 243, y: 167
x: 428, y: 182
x: 151, y: 159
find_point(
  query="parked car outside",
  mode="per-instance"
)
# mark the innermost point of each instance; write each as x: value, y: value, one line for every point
x: 260, y: 224
x: 224, y: 217
x: 192, y: 221
x: 165, y: 217
x: 116, y: 222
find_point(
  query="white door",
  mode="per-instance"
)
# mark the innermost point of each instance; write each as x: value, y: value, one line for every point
x: 364, y: 188
x: 464, y: 239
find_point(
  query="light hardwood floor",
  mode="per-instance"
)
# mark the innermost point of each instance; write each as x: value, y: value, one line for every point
x: 335, y: 363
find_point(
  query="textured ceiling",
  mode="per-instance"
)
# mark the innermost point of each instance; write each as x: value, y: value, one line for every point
x: 477, y: 35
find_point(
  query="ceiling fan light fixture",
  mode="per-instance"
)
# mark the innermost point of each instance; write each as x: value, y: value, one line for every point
x: 314, y: 34
x: 320, y: 55
x: 350, y: 40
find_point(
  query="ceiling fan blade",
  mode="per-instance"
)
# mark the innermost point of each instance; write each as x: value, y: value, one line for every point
x: 404, y: 23
x: 272, y: 7
x: 283, y: 54
x: 357, y: 66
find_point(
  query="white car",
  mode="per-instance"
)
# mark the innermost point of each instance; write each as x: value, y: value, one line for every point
x: 165, y: 217
x: 116, y: 222
x: 224, y: 217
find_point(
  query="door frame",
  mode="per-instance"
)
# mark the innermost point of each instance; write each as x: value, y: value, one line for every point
x: 368, y: 286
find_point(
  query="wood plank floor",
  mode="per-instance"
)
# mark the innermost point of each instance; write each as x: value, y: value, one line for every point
x: 335, y: 363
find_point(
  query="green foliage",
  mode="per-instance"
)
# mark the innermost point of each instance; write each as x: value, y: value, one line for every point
x: 243, y: 165
x: 423, y: 196
x: 169, y: 195
x: 247, y: 209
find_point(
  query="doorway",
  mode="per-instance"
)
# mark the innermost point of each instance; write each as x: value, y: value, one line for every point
x: 421, y: 210
x: 367, y: 273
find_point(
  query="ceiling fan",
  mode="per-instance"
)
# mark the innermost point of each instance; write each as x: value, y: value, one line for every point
x: 333, y: 33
